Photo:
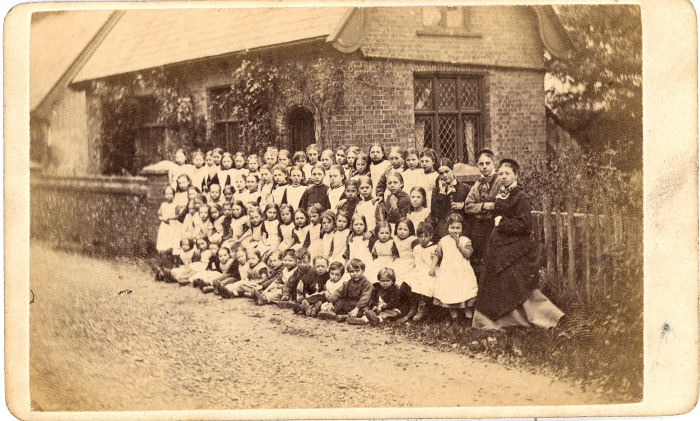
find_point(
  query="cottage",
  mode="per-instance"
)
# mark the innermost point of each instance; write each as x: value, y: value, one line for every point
x: 455, y: 78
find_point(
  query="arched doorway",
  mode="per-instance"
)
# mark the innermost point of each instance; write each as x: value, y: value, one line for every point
x: 300, y: 124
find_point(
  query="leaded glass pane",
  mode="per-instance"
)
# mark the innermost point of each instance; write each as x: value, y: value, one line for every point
x: 424, y: 132
x: 447, y: 136
x: 469, y: 93
x: 423, y: 94
x: 470, y: 127
x: 446, y: 96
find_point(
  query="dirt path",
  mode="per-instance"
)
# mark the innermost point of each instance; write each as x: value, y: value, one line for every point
x: 161, y: 346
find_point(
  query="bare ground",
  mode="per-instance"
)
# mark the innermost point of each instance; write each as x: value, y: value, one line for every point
x: 161, y: 346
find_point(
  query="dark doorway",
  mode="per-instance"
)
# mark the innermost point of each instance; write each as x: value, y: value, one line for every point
x: 300, y: 123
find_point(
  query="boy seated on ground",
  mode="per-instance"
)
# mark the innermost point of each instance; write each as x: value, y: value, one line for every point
x: 388, y: 302
x: 352, y: 299
x: 336, y: 270
x: 311, y: 303
x: 276, y: 288
x: 311, y: 280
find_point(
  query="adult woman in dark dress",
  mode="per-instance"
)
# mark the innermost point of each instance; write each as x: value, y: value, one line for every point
x: 448, y: 196
x: 479, y: 207
x: 508, y: 291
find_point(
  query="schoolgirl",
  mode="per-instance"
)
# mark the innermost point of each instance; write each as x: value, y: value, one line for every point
x: 379, y: 162
x: 199, y: 173
x: 366, y: 206
x: 239, y: 218
x: 220, y: 267
x: 453, y: 252
x: 427, y: 180
x: 340, y: 237
x: 351, y: 198
x: 169, y: 228
x: 284, y: 158
x: 251, y: 192
x: 419, y: 211
x: 312, y: 160
x: 384, y: 250
x: 397, y: 204
x: 272, y: 222
x: 404, y: 240
x: 253, y: 162
x: 179, y: 168
x: 254, y: 233
x: 212, y: 172
x: 239, y: 169
x: 326, y: 237
x: 227, y: 172
x: 275, y: 289
x: 341, y: 159
x: 420, y: 281
x: 317, y: 192
x: 296, y: 188
x: 361, y: 165
x: 299, y: 160
x: 396, y: 158
x: 280, y: 176
x: 228, y: 193
x: 270, y: 156
x: 315, y: 212
x: 217, y: 154
x: 183, y: 185
x: 266, y: 184
x: 413, y: 170
x: 286, y: 227
x: 360, y: 241
x: 214, y: 196
x: 350, y: 157
x: 327, y: 160
x: 336, y: 185
x: 184, y: 255
x: 302, y: 238
x: 252, y: 275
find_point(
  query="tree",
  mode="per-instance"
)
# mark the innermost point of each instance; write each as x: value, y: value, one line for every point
x: 597, y: 87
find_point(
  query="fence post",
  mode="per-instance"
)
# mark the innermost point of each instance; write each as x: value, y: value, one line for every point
x: 587, y: 255
x: 571, y: 241
x: 547, y: 224
x: 598, y: 250
x: 560, y: 246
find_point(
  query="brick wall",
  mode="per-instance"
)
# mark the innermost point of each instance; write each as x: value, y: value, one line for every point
x: 502, y: 36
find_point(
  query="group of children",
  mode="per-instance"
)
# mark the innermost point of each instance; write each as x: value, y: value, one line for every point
x: 338, y: 234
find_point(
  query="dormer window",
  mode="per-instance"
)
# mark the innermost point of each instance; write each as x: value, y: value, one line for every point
x: 445, y: 17
x: 446, y: 21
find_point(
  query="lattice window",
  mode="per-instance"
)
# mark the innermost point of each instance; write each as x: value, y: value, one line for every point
x: 149, y: 133
x: 448, y: 114
x: 225, y: 122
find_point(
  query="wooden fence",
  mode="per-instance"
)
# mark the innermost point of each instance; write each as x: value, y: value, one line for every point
x: 576, y: 246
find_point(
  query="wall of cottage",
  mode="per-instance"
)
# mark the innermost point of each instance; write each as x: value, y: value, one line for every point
x: 501, y: 44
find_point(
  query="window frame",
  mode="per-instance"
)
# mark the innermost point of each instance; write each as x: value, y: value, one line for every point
x: 148, y: 131
x: 433, y: 112
x: 231, y: 132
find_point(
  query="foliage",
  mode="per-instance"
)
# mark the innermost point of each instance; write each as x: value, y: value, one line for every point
x: 126, y: 106
x: 318, y: 83
x: 252, y: 97
x: 598, y: 96
x: 579, y: 177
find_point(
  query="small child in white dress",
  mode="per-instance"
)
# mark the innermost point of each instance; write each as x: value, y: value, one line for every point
x: 455, y: 281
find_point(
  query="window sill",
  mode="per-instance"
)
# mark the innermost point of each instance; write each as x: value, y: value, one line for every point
x: 447, y: 32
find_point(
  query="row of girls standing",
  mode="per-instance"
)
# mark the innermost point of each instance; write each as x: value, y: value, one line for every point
x: 226, y: 215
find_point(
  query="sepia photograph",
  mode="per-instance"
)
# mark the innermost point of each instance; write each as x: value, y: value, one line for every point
x: 344, y: 206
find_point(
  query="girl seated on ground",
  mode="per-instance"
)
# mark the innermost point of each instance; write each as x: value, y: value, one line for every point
x: 185, y: 255
x: 219, y: 268
x: 275, y: 284
x: 253, y: 275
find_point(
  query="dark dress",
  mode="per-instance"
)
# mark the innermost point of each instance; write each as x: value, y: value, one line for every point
x: 480, y: 221
x: 441, y: 206
x: 510, y: 269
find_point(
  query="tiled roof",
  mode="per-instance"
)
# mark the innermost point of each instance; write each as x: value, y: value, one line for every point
x: 55, y: 41
x: 149, y: 38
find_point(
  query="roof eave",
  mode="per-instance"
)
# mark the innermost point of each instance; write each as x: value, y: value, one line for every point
x: 350, y: 34
x: 552, y: 33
